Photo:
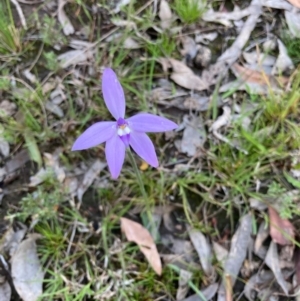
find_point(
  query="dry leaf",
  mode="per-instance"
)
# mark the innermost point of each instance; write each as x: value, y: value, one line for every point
x: 277, y: 4
x: 7, y: 108
x: 292, y: 18
x: 283, y: 62
x: 237, y: 254
x: 189, y: 47
x: 297, y: 264
x: 183, y: 76
x: 281, y: 230
x: 4, y: 147
x: 165, y: 14
x: 272, y: 261
x: 296, y: 3
x: 208, y: 293
x: 183, y: 286
x: 137, y: 233
x: 130, y: 43
x: 221, y: 252
x: 55, y: 109
x: 234, y: 51
x: 5, y: 291
x: 89, y: 178
x: 12, y: 238
x: 63, y: 19
x: 26, y: 270
x: 74, y: 57
x: 194, y: 135
x: 203, y: 249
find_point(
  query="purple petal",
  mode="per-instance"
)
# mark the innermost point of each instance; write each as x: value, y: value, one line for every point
x: 94, y: 135
x: 113, y: 94
x: 144, y: 147
x: 145, y: 122
x: 115, y: 154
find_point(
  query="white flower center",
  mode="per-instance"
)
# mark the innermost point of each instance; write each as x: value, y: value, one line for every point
x: 123, y: 130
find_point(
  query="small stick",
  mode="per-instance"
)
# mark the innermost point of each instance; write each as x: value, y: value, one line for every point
x: 20, y: 12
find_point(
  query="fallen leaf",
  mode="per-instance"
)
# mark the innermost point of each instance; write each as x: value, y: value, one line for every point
x: 89, y: 178
x: 12, y: 238
x: 234, y: 51
x: 222, y: 120
x: 30, y: 76
x: 292, y: 18
x: 130, y: 43
x: 283, y: 62
x: 63, y: 19
x: 296, y: 3
x: 203, y: 249
x: 4, y: 147
x: 262, y: 235
x: 237, y: 254
x: 183, y: 284
x: 189, y: 48
x: 278, y: 4
x: 194, y: 135
x: 297, y: 264
x: 272, y: 261
x: 261, y: 278
x: 208, y: 293
x: 136, y: 233
x: 183, y: 76
x: 74, y: 57
x: 165, y: 15
x: 26, y: 270
x: 5, y: 291
x: 7, y: 108
x: 55, y: 109
x: 281, y: 230
x: 220, y: 252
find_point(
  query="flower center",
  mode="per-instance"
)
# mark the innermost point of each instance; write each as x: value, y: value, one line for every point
x: 122, y: 127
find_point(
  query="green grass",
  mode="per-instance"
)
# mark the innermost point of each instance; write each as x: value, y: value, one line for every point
x: 10, y: 36
x: 82, y: 262
x: 189, y: 11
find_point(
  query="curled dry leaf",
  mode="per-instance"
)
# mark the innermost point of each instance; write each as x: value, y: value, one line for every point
x: 26, y: 270
x: 135, y: 232
x: 165, y: 14
x: 63, y: 19
x: 281, y: 230
x: 183, y: 76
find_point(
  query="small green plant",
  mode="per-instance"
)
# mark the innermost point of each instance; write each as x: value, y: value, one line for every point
x: 10, y: 39
x: 51, y: 61
x: 293, y: 45
x: 189, y: 11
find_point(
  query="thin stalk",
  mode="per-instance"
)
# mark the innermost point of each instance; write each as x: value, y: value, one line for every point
x: 147, y: 218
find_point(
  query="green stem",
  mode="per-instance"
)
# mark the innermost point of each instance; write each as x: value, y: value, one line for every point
x: 147, y: 218
x: 138, y: 175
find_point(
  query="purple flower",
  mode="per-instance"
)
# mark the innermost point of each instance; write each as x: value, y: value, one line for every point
x: 121, y: 133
